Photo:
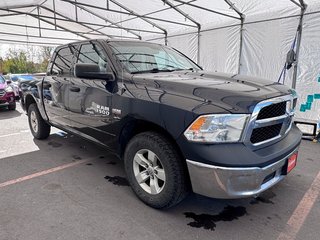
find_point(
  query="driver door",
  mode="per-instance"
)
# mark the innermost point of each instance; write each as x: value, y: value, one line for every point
x: 90, y: 100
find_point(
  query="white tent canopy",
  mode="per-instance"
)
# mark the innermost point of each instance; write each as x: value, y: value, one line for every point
x: 238, y: 36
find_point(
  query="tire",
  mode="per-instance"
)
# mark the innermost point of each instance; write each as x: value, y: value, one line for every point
x: 12, y: 107
x: 167, y: 175
x: 39, y: 128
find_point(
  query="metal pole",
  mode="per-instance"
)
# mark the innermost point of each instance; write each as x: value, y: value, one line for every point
x: 294, y: 2
x: 242, y: 17
x: 76, y: 10
x: 172, y: 6
x: 241, y: 45
x: 83, y: 25
x: 295, y: 69
x: 39, y: 21
x: 198, y: 53
x: 190, y: 19
x: 54, y: 14
x: 130, y: 13
x: 73, y: 21
x: 150, y: 13
x: 166, y: 38
x: 107, y: 20
x: 207, y: 9
x: 46, y: 21
x: 52, y: 29
x: 165, y: 32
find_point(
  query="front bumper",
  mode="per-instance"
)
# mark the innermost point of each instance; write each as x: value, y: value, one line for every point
x: 227, y: 182
x: 7, y: 99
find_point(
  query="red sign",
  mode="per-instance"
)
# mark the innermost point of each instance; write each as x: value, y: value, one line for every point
x: 292, y: 162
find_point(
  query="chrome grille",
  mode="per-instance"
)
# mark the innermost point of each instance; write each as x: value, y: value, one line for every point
x: 273, y: 110
x: 265, y: 133
x: 270, y: 121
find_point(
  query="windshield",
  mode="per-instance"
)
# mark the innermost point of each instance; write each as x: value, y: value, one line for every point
x: 141, y: 57
x: 2, y: 80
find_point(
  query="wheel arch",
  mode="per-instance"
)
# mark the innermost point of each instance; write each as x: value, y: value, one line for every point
x: 29, y: 99
x: 136, y: 126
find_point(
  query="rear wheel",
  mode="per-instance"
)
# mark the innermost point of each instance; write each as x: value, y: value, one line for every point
x: 155, y: 170
x: 12, y: 106
x: 39, y: 128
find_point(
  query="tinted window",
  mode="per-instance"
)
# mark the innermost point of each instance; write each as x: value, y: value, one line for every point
x: 63, y: 62
x: 93, y: 53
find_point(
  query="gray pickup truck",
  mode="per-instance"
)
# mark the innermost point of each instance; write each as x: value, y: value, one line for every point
x: 176, y: 127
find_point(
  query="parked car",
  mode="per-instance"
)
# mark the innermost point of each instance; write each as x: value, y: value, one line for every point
x: 7, y: 94
x: 174, y: 125
x: 22, y: 81
x: 14, y: 85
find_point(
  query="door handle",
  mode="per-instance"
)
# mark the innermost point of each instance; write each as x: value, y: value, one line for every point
x: 74, y: 89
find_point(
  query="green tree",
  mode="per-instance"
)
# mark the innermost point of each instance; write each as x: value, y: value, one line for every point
x: 32, y: 60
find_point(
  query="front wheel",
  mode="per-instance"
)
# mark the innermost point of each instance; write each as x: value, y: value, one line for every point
x: 155, y: 170
x: 39, y: 128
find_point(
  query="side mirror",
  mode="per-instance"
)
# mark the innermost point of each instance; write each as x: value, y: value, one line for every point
x: 91, y: 71
x: 291, y: 58
x: 9, y: 81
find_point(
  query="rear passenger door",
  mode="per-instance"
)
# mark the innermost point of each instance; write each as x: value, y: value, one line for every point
x: 90, y: 100
x: 56, y: 86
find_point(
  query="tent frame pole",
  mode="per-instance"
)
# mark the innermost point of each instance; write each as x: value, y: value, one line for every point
x: 51, y: 29
x: 296, y: 3
x: 199, y: 44
x: 76, y: 10
x: 157, y: 11
x: 39, y: 23
x: 40, y: 17
x: 54, y: 13
x: 105, y: 19
x: 303, y: 7
x: 241, y: 45
x: 242, y: 18
x: 207, y: 9
x: 44, y: 20
x: 73, y: 21
x: 130, y: 13
x: 172, y: 6
x: 83, y: 25
x: 165, y: 32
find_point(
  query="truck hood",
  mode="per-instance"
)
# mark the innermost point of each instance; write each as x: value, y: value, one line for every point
x: 207, y: 92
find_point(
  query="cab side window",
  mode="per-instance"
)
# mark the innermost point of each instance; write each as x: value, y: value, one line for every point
x: 63, y: 62
x: 93, y: 53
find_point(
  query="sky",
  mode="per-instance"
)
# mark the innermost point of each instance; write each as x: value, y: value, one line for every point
x: 4, y: 48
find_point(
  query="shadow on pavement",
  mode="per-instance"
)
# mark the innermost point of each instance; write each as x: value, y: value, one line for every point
x: 98, y: 189
x: 6, y: 114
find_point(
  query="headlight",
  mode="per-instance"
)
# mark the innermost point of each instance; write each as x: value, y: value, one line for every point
x: 9, y: 89
x: 217, y: 128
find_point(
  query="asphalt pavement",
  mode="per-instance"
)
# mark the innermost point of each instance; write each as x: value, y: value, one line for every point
x: 67, y: 188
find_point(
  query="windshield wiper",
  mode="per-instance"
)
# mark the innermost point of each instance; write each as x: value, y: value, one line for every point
x: 183, y: 69
x: 154, y: 70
